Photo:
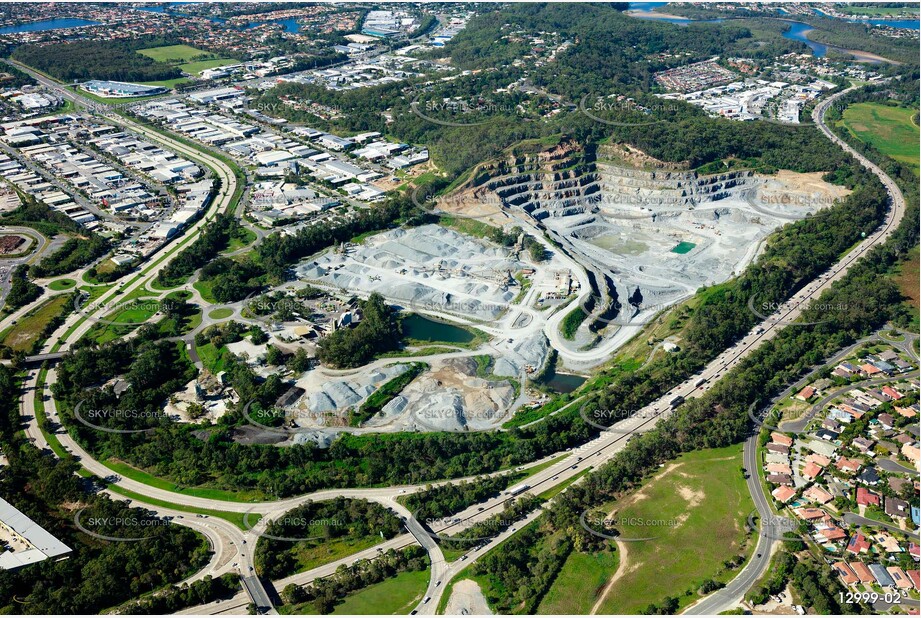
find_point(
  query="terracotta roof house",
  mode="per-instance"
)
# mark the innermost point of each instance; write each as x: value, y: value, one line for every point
x: 806, y: 394
x: 914, y: 576
x: 858, y: 544
x: 779, y: 468
x: 809, y: 513
x: 780, y: 438
x: 819, y: 460
x: 846, y: 573
x: 811, y: 471
x: 865, y: 497
x: 818, y: 494
x: 862, y: 572
x: 783, y: 493
x: 899, y: 577
x: 848, y: 465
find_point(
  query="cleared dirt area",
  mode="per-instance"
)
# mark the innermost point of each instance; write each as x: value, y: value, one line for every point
x: 467, y: 600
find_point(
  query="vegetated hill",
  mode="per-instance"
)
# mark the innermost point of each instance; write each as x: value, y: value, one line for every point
x: 84, y: 60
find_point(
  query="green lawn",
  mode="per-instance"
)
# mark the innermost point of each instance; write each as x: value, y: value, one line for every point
x: 683, y: 247
x: 877, y: 11
x: 312, y: 554
x: 169, y: 83
x: 397, y: 595
x: 212, y: 358
x: 189, y: 59
x: 61, y: 284
x: 204, y: 288
x: 25, y: 333
x: 135, y: 312
x: 579, y: 583
x: 168, y: 53
x: 238, y: 242
x: 696, y: 509
x: 888, y: 129
x: 220, y: 314
x: 194, y: 68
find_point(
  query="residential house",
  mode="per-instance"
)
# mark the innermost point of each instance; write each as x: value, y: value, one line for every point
x: 846, y: 573
x: 780, y: 449
x: 865, y: 497
x: 806, y: 394
x: 858, y: 544
x: 779, y: 479
x: 783, y: 494
x: 848, y: 466
x: 811, y: 471
x: 882, y: 576
x: 818, y: 494
x: 863, y: 572
x: 780, y: 438
x: 896, y: 508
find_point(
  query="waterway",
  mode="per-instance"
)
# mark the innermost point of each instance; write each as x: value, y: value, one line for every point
x: 798, y: 31
x: 289, y: 25
x: 51, y: 24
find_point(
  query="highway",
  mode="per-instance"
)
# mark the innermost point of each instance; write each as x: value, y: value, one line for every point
x: 575, y: 462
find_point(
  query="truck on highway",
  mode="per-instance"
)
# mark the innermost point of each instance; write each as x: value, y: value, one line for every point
x: 520, y: 489
x: 700, y: 382
x: 676, y: 401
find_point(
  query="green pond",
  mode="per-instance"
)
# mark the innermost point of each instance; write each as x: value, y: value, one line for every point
x: 683, y: 247
x: 421, y: 328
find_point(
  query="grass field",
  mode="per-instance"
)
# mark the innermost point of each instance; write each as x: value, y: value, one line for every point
x: 212, y: 358
x: 61, y: 284
x: 194, y: 68
x: 310, y: 555
x: 878, y: 11
x: 173, y: 53
x: 220, y: 314
x: 579, y: 583
x: 22, y: 336
x: 236, y: 243
x: 909, y: 277
x: 189, y: 59
x: 397, y: 595
x: 695, y: 508
x: 169, y: 83
x: 135, y: 312
x: 204, y: 288
x: 888, y: 129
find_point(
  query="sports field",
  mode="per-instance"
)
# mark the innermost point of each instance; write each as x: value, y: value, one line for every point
x: 888, y: 129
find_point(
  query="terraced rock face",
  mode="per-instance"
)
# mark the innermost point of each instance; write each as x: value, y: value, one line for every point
x: 666, y: 232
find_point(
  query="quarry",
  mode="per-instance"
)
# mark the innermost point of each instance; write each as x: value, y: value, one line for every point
x: 616, y: 226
